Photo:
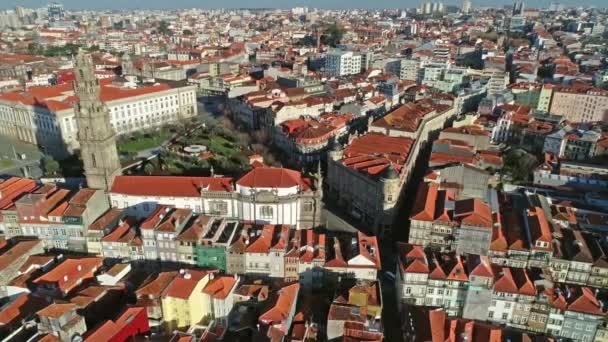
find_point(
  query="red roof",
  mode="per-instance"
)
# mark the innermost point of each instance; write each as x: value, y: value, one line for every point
x: 271, y: 237
x: 374, y: 152
x: 220, y: 286
x: 279, y: 312
x: 273, y: 177
x: 12, y: 188
x: 46, y: 97
x: 473, y: 212
x: 17, y: 309
x: 183, y: 285
x: 169, y: 186
x: 71, y: 273
x: 407, y: 117
x: 56, y: 310
x: 584, y: 300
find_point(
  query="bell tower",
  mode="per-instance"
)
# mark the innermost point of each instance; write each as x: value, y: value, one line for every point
x: 95, y: 134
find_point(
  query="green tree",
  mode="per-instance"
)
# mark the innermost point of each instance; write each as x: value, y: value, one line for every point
x: 519, y: 165
x: 51, y: 166
x: 333, y: 35
x: 163, y: 28
x: 149, y: 168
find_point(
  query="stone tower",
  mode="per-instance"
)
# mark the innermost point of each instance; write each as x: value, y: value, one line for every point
x: 95, y: 134
x: 127, y: 65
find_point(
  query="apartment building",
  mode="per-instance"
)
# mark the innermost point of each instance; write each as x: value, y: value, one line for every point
x: 149, y: 296
x: 343, y: 63
x: 210, y: 251
x: 579, y: 103
x: 183, y: 301
x: 366, y: 176
x: 306, y: 140
x: 473, y: 288
x: 123, y: 243
x: 441, y: 222
x: 59, y: 217
x: 221, y: 289
x: 11, y: 190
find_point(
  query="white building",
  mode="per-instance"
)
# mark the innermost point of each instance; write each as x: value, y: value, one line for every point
x: 220, y: 289
x: 342, y: 63
x: 265, y: 195
x: 45, y: 116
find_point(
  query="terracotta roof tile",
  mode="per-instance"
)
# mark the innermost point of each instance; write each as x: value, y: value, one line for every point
x: 169, y: 186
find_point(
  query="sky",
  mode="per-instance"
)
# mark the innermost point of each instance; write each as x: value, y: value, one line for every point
x: 332, y: 4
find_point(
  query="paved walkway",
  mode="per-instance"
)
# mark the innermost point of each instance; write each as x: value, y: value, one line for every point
x: 10, y: 147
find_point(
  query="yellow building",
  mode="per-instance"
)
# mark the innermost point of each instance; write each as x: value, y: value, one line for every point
x: 366, y: 294
x: 184, y: 303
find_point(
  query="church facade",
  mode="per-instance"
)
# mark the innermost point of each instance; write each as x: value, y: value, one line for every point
x: 265, y: 195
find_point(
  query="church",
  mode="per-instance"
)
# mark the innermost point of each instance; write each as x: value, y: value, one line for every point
x: 265, y: 195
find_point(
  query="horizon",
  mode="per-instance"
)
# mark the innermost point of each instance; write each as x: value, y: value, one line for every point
x: 273, y: 4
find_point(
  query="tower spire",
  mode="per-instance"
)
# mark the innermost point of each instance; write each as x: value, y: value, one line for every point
x: 95, y: 133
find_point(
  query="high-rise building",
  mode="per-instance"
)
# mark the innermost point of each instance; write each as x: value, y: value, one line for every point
x: 556, y: 7
x: 20, y: 11
x: 95, y: 133
x: 466, y: 6
x: 518, y: 8
x: 55, y: 10
x: 431, y: 7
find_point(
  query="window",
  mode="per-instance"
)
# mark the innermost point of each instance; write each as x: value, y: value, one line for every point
x: 218, y: 207
x: 266, y: 212
x: 505, y: 316
x: 93, y: 160
x: 308, y: 206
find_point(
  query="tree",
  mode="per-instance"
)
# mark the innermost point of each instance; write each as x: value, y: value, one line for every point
x: 519, y: 165
x: 260, y: 136
x: 163, y: 28
x: 51, y: 166
x: 187, y: 32
x: 243, y: 139
x: 149, y: 168
x: 333, y: 35
x: 226, y: 124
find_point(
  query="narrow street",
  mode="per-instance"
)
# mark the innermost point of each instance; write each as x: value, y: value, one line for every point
x: 399, y: 232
